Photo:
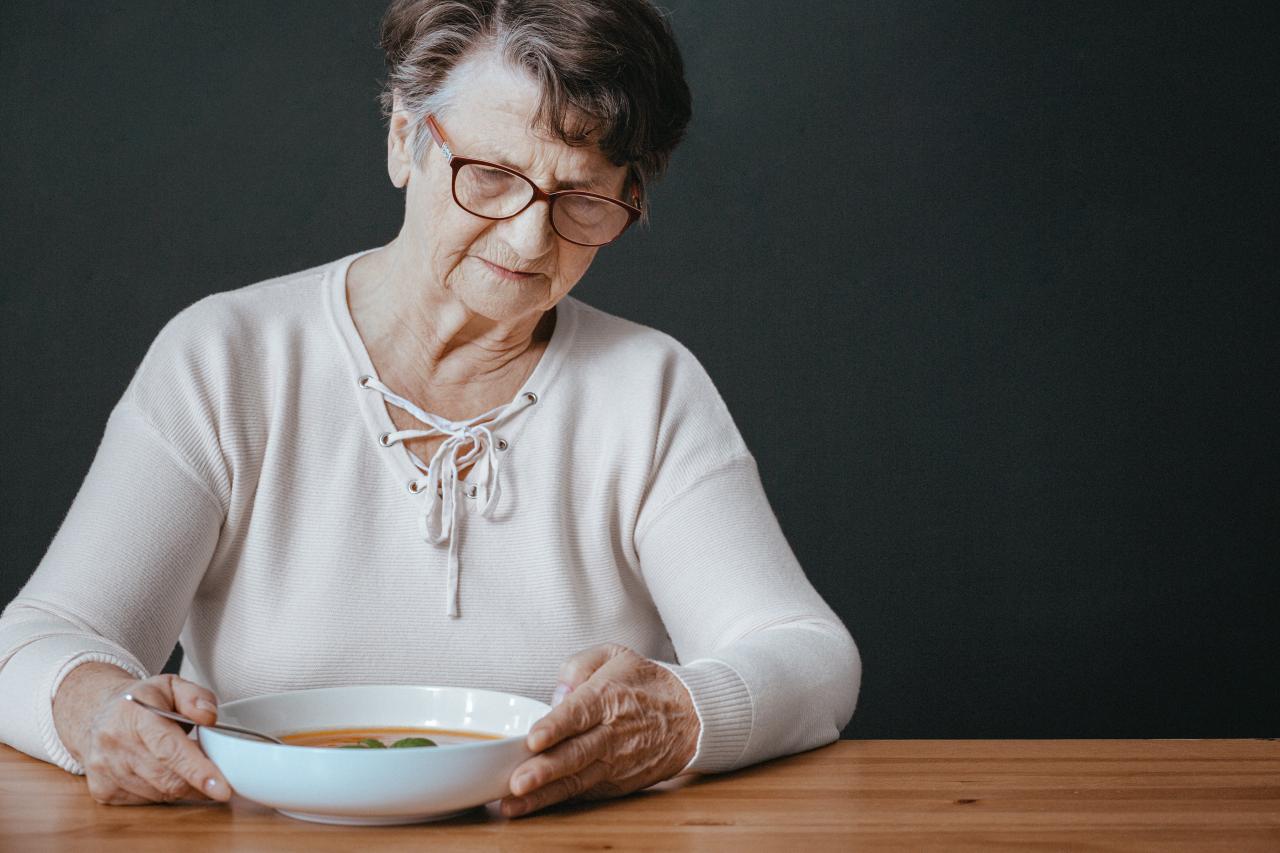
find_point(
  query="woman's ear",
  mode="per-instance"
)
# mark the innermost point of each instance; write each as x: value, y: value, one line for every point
x: 399, y: 144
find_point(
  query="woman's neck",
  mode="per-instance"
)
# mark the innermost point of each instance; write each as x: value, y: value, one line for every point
x: 433, y: 350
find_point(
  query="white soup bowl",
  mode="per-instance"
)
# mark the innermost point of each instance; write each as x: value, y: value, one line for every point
x: 373, y: 786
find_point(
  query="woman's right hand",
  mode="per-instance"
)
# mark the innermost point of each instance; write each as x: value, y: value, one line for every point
x: 130, y: 755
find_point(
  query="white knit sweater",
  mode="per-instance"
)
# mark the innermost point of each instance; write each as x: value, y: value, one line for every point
x: 241, y: 502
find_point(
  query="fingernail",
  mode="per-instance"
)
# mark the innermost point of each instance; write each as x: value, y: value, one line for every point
x: 537, y: 740
x: 521, y: 783
x: 206, y: 705
x: 211, y: 785
x: 561, y: 691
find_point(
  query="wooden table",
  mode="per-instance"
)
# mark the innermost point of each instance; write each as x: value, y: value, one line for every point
x: 865, y: 795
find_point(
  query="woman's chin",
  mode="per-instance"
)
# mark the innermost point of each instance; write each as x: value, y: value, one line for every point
x: 503, y: 301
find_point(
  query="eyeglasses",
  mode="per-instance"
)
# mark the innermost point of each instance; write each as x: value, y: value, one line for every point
x: 493, y: 191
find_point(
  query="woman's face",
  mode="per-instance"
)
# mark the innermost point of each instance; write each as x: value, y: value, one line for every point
x: 490, y: 119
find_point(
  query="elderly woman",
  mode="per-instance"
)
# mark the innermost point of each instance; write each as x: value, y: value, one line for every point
x: 428, y: 463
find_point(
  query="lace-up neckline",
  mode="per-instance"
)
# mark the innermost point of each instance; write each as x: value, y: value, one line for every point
x: 440, y: 482
x: 501, y: 438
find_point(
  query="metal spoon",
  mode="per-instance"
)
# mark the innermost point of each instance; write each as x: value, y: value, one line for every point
x: 223, y: 727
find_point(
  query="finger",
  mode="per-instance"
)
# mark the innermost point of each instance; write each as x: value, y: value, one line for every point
x: 192, y: 700
x: 101, y: 774
x: 575, y: 671
x: 170, y: 747
x: 142, y: 791
x: 107, y: 788
x: 167, y: 782
x: 187, y: 698
x: 563, y: 759
x: 198, y: 796
x: 557, y: 791
x: 581, y: 711
x: 112, y: 781
x: 557, y: 695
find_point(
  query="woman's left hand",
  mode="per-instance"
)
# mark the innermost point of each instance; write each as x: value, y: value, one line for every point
x: 625, y: 723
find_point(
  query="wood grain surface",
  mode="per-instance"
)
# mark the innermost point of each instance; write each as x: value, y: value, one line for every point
x: 864, y: 795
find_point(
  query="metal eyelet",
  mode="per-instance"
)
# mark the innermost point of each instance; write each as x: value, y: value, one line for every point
x: 530, y: 396
x: 363, y: 381
x: 382, y: 439
x: 413, y: 486
x: 502, y: 444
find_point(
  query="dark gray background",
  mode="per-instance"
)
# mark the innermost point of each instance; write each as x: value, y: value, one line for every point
x: 990, y: 289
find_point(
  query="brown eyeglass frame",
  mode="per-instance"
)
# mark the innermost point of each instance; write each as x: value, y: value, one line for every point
x: 455, y: 163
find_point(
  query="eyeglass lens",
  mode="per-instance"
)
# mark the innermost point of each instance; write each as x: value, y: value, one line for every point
x: 497, y: 194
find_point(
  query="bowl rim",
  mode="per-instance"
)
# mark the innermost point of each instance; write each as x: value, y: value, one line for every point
x: 203, y: 730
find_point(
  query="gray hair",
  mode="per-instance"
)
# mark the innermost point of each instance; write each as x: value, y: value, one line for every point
x: 609, y: 71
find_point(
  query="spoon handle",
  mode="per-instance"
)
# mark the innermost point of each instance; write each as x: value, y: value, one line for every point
x: 178, y: 718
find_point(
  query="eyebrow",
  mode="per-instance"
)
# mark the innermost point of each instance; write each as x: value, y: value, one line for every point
x: 596, y: 185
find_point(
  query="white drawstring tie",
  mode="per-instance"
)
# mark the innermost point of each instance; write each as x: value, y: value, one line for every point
x: 438, y: 519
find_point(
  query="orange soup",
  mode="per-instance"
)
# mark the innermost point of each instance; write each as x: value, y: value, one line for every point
x: 386, y: 736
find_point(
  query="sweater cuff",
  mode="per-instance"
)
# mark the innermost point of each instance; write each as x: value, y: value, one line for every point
x: 725, y: 712
x: 47, y: 662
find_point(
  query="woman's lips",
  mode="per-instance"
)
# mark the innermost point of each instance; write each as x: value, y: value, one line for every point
x: 510, y: 275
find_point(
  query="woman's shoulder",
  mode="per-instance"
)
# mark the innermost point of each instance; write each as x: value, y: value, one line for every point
x: 652, y: 402
x: 615, y: 346
x: 646, y: 379
x: 264, y: 307
x: 212, y: 353
x: 237, y: 333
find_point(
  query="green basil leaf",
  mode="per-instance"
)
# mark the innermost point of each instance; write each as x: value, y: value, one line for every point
x: 413, y: 741
x: 373, y: 743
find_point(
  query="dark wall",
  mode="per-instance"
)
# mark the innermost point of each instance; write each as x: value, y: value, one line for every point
x: 991, y: 290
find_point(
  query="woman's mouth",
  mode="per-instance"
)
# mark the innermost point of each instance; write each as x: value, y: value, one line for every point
x: 510, y: 275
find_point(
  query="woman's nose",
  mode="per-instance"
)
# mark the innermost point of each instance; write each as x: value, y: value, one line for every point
x: 529, y: 233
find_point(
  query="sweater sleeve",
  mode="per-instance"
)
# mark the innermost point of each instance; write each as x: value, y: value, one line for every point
x: 116, y: 582
x: 770, y: 667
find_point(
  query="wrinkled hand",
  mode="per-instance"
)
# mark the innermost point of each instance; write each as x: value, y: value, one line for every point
x: 625, y: 723
x: 132, y: 756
